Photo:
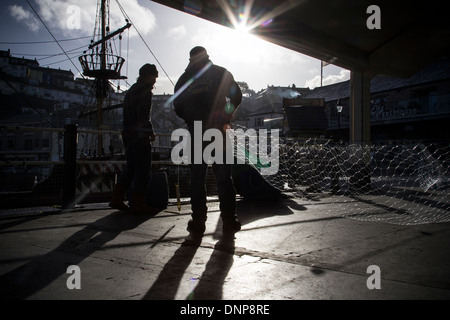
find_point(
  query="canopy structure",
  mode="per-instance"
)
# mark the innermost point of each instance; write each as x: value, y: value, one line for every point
x: 393, y: 38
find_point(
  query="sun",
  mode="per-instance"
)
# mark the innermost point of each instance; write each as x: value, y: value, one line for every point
x: 239, y: 38
x: 242, y: 26
x: 242, y: 44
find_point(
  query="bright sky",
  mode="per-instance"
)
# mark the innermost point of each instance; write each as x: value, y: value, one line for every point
x: 169, y: 34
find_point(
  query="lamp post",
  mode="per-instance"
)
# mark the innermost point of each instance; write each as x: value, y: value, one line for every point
x: 335, y: 169
x: 339, y: 108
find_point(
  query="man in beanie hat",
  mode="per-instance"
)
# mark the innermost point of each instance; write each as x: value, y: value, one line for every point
x: 137, y: 136
x: 208, y: 93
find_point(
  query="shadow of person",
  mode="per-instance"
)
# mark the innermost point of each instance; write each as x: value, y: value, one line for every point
x: 249, y: 211
x: 210, y: 285
x: 166, y: 285
x: 252, y: 210
x: 33, y: 276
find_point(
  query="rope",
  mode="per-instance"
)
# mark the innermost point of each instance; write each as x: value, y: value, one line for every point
x: 128, y: 18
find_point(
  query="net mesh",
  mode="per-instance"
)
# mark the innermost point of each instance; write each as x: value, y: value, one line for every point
x: 397, y: 183
x: 402, y: 183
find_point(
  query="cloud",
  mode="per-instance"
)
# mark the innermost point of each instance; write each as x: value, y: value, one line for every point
x: 75, y: 18
x: 343, y: 75
x: 142, y: 17
x: 177, y: 33
x: 24, y: 16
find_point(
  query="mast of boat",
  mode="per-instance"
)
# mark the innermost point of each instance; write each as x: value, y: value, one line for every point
x: 102, y: 67
x: 102, y: 80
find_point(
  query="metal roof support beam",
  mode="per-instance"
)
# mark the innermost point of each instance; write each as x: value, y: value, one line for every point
x: 360, y: 131
x: 360, y: 107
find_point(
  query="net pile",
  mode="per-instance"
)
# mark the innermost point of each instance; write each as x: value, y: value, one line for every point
x: 396, y: 183
x: 399, y: 183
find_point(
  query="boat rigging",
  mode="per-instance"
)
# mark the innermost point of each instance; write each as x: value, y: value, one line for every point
x: 99, y: 62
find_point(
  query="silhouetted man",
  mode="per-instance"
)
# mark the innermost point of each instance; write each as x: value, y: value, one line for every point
x: 201, y: 95
x: 137, y: 137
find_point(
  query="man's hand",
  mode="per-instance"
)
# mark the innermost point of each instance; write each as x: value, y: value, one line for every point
x: 152, y: 137
x: 226, y: 126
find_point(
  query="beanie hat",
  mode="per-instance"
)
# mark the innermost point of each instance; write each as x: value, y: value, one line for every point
x: 148, y: 69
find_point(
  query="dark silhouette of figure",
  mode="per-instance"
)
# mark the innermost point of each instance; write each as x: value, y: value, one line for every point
x: 208, y: 93
x: 137, y: 137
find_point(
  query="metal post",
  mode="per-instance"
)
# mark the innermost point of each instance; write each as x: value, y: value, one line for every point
x: 360, y: 108
x: 70, y: 165
x: 360, y: 130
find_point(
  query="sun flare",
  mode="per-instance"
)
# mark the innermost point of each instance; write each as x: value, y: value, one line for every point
x: 244, y: 45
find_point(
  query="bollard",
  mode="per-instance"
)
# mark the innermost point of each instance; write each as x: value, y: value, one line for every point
x: 157, y: 195
x: 70, y: 165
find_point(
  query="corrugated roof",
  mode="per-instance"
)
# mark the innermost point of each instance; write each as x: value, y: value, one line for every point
x: 331, y: 92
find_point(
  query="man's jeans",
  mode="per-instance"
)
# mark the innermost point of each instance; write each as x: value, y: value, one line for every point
x: 137, y: 173
x: 225, y: 188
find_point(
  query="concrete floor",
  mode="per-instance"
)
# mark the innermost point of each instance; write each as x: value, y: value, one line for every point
x: 287, y: 250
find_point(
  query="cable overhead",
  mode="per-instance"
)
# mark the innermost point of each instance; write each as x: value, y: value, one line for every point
x: 56, y: 62
x: 48, y: 56
x: 128, y: 18
x: 32, y: 8
x: 55, y: 40
x: 45, y: 55
x: 42, y: 42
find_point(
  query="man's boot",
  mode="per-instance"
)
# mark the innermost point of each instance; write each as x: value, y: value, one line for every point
x: 231, y: 225
x: 138, y: 204
x: 117, y: 198
x: 196, y: 227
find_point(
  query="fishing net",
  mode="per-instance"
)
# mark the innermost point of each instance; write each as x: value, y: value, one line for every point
x: 400, y: 183
x: 397, y: 183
